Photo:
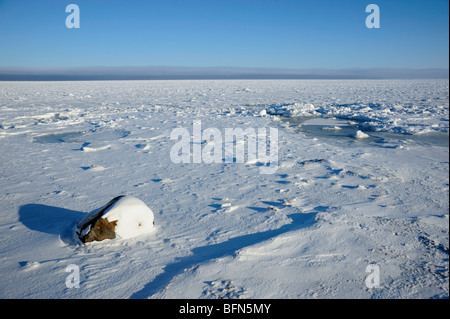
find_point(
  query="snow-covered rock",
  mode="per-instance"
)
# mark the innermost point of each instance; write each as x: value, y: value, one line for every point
x: 126, y: 216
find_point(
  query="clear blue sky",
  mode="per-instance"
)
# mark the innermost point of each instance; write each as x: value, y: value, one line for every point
x: 237, y: 33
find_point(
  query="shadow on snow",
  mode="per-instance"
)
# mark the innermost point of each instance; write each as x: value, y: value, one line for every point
x: 51, y: 220
x: 210, y: 252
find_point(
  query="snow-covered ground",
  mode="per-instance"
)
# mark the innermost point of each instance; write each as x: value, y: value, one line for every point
x: 360, y: 195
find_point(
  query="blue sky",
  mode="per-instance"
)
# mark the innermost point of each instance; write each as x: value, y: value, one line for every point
x: 328, y: 34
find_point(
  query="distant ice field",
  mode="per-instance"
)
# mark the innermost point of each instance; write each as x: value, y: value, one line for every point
x: 401, y: 106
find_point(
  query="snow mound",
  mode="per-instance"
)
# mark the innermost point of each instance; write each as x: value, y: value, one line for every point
x: 131, y: 218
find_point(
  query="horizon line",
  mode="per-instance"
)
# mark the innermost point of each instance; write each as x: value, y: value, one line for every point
x: 90, y: 73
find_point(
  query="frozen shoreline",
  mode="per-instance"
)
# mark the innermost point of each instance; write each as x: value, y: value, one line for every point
x: 224, y: 230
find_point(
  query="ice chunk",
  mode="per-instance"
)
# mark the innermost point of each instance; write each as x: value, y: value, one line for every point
x: 360, y: 134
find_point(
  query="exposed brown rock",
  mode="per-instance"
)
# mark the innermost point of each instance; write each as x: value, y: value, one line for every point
x: 100, y: 230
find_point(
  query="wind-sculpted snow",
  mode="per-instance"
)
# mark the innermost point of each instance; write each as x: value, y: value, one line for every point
x: 359, y: 194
